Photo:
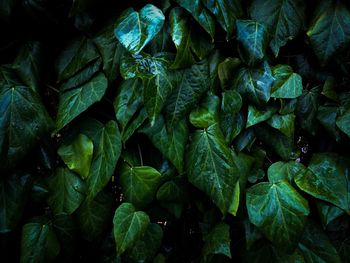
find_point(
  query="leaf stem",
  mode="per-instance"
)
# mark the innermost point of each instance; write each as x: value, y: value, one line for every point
x: 140, y: 154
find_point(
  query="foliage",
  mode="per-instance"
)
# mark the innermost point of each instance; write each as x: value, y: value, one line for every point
x: 175, y: 131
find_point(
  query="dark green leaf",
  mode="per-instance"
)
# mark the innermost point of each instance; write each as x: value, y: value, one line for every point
x: 327, y: 115
x: 225, y: 70
x: 129, y: 226
x: 328, y: 212
x: 218, y: 241
x: 287, y: 85
x: 255, y: 115
x: 135, y: 30
x: 173, y: 190
x: 283, y: 123
x: 284, y: 171
x: 279, y: 211
x: 206, y: 113
x: 343, y: 122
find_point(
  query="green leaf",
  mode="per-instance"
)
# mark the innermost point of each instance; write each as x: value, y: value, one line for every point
x: 75, y: 101
x: 128, y: 226
x: 169, y: 141
x: 210, y: 167
x: 329, y: 31
x: 327, y: 115
x: 135, y: 30
x: 283, y: 19
x: 231, y: 102
x: 252, y: 40
x: 206, y: 113
x: 173, y: 190
x: 14, y: 195
x: 200, y: 14
x: 343, y: 122
x: 277, y: 208
x: 23, y: 121
x: 78, y: 155
x: 225, y: 70
x: 95, y: 216
x: 226, y: 13
x: 192, y: 84
x: 190, y: 44
x: 284, y: 171
x: 67, y: 191
x: 283, y: 123
x: 232, y: 125
x: 255, y: 84
x: 107, y: 147
x: 316, y: 247
x: 146, y: 248
x: 327, y: 178
x: 218, y: 241
x: 139, y: 184
x: 39, y: 243
x: 134, y: 125
x: 256, y: 116
x: 287, y: 85
x: 328, y: 212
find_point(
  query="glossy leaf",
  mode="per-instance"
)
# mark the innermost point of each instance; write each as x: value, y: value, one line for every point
x: 328, y: 212
x: 210, y: 167
x: 129, y: 226
x: 284, y: 171
x: 287, y: 85
x: 327, y: 178
x: 225, y: 70
x: 135, y: 30
x: 218, y: 241
x: 283, y: 123
x: 283, y: 19
x: 277, y: 208
x: 327, y: 115
x: 329, y: 31
x: 206, y: 113
x: 255, y: 115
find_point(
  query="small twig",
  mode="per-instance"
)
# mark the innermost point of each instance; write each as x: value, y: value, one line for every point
x: 53, y: 88
x: 140, y: 154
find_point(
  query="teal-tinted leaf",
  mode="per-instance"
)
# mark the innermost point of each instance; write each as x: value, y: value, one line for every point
x: 252, y: 39
x: 192, y: 84
x: 255, y: 115
x: 128, y: 226
x: 206, y: 113
x: 39, y: 243
x: 327, y: 115
x: 316, y: 247
x: 95, y: 216
x: 283, y: 123
x: 74, y: 57
x: 283, y: 19
x: 23, y: 121
x: 287, y: 84
x: 226, y: 12
x: 255, y: 84
x: 279, y: 211
x: 190, y: 43
x: 288, y: 106
x: 330, y: 31
x: 66, y: 191
x: 14, y: 193
x: 75, y: 101
x: 169, y: 141
x: 200, y: 14
x: 284, y: 171
x: 306, y: 111
x: 327, y: 178
x: 107, y: 147
x: 139, y: 184
x: 231, y: 102
x: 218, y: 241
x: 231, y: 125
x: 146, y: 248
x: 225, y: 71
x: 245, y: 140
x: 328, y: 212
x: 343, y: 122
x: 135, y: 30
x: 210, y: 167
x: 77, y: 155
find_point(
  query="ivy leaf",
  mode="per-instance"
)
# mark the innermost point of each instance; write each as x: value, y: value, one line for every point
x: 277, y: 208
x: 200, y: 14
x: 139, y: 184
x: 66, y: 191
x: 283, y: 19
x: 327, y: 115
x: 255, y: 84
x: 169, y: 141
x: 225, y: 70
x: 284, y: 171
x: 287, y: 85
x: 327, y: 178
x: 252, y: 40
x: 39, y: 242
x: 226, y: 13
x: 173, y: 190
x: 343, y: 122
x: 283, y: 123
x: 329, y: 31
x: 75, y: 101
x: 256, y: 116
x: 328, y: 212
x: 94, y: 216
x: 107, y: 147
x: 189, y: 43
x: 128, y: 226
x: 135, y: 30
x: 14, y: 195
x: 210, y: 167
x: 218, y: 241
x: 206, y: 113
x: 77, y: 155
